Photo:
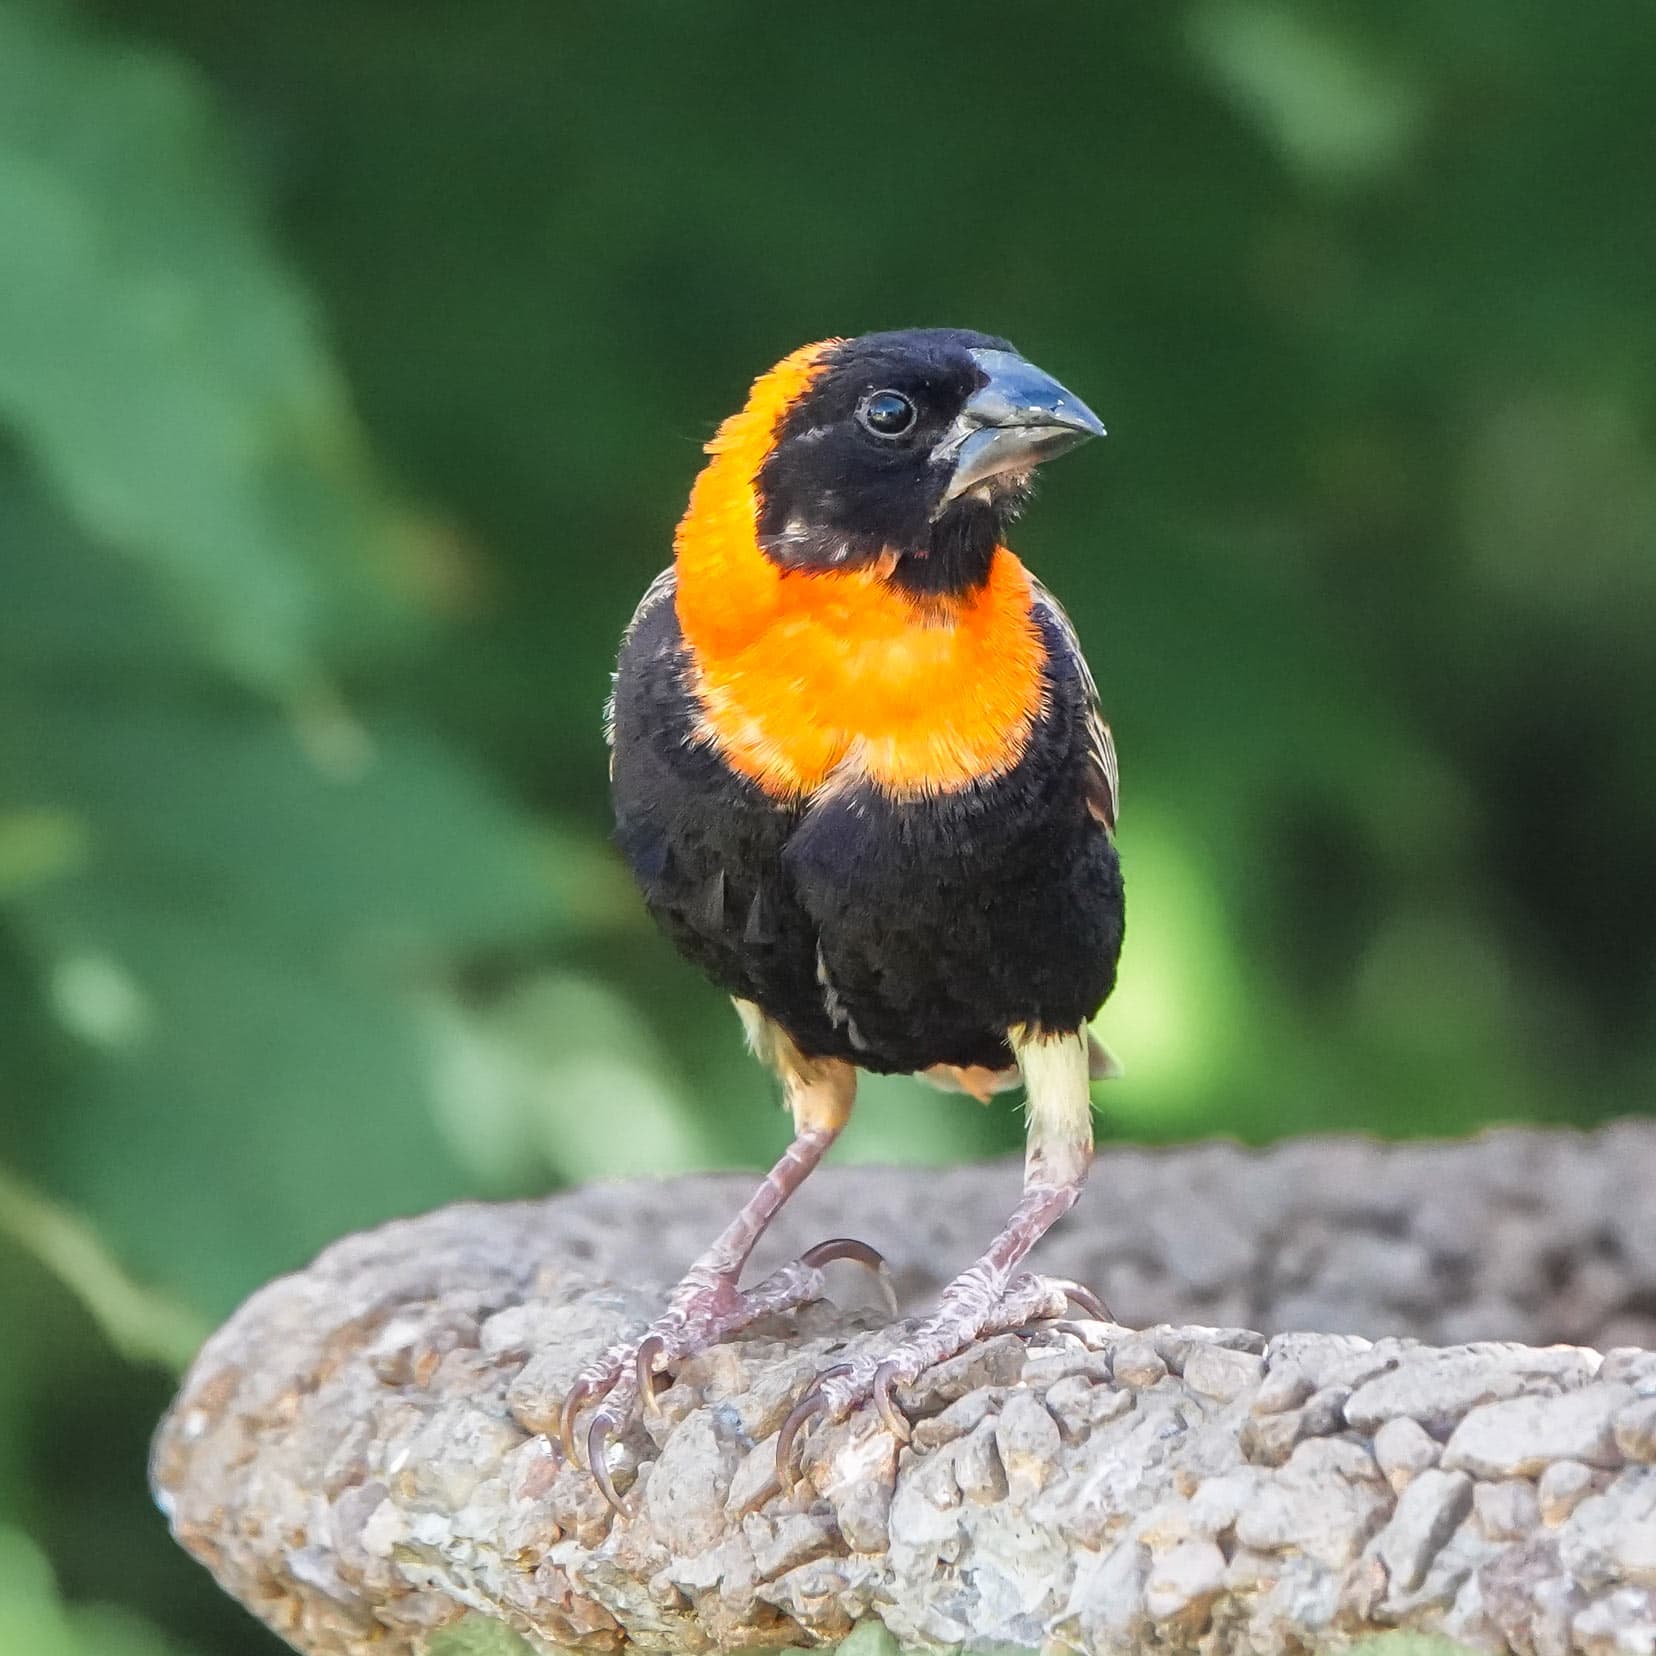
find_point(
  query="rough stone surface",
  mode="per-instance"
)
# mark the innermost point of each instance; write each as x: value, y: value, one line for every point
x: 1427, y: 1514
x: 360, y: 1454
x: 1522, y: 1436
x: 1636, y: 1430
x: 1508, y: 1511
x: 1404, y: 1449
x: 1561, y: 1489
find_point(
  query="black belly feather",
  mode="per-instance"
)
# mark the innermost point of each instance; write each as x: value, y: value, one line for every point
x: 893, y: 934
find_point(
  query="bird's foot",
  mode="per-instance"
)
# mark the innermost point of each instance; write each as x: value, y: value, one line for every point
x: 973, y: 1306
x: 706, y: 1308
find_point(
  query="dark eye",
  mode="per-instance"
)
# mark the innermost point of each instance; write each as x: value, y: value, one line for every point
x: 887, y: 413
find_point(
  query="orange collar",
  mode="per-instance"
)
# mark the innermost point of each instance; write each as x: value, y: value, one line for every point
x: 807, y: 677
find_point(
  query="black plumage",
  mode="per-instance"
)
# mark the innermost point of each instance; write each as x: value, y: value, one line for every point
x: 895, y: 934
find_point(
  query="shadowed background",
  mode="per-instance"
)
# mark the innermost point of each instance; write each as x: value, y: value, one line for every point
x: 354, y: 362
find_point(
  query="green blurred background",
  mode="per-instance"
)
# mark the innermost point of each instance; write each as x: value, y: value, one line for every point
x: 354, y: 359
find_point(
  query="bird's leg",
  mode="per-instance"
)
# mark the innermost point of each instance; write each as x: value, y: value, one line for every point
x: 708, y: 1305
x: 991, y: 1295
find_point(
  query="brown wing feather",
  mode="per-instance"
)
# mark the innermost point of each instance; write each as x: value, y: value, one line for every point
x: 1103, y: 772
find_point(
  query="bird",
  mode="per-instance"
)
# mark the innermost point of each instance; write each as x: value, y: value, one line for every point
x: 861, y: 778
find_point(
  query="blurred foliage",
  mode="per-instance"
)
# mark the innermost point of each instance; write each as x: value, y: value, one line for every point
x: 478, y: 1636
x: 353, y: 363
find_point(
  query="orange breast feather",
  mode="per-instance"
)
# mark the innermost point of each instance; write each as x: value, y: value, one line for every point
x: 810, y: 678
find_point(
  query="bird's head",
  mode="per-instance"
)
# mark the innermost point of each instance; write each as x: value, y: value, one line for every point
x: 840, y: 580
x: 906, y: 452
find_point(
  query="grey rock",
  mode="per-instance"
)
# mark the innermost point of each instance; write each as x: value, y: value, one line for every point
x: 1070, y: 1402
x: 1518, y: 1438
x: 1218, y: 1372
x: 1138, y: 1363
x: 1624, y: 1624
x: 1271, y: 1439
x: 1427, y: 1514
x: 1322, y: 1512
x: 1403, y: 1449
x: 1493, y: 1318
x: 979, y: 1470
x: 1623, y: 1362
x: 1561, y: 1488
x: 1046, y: 1368
x: 1285, y: 1386
x: 1028, y: 1442
x: 1438, y: 1390
x: 1509, y: 1510
x: 785, y: 1542
x: 1186, y: 1578
x: 1176, y: 1344
x: 1634, y: 1551
x: 862, y: 1503
x: 961, y: 1417
x: 1400, y: 1272
x: 690, y: 1483
x: 1608, y: 1533
x: 1635, y: 1430
x: 1626, y: 1329
x: 750, y: 1483
x: 1220, y: 1500
x: 1637, y: 1367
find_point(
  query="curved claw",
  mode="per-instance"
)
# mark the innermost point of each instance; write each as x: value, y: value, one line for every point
x: 844, y: 1247
x: 886, y: 1381
x: 848, y: 1247
x: 644, y: 1359
x: 802, y: 1413
x: 583, y: 1391
x: 1080, y: 1294
x: 811, y: 1403
x: 598, y: 1437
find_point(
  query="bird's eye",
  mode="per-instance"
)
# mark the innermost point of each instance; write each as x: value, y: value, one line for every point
x: 887, y: 413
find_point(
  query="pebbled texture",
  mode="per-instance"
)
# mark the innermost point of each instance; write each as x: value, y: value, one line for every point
x: 362, y: 1454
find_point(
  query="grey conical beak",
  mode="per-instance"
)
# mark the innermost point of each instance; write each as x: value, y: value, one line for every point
x: 1017, y: 418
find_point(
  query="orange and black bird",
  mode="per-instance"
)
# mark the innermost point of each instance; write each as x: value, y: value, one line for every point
x: 861, y: 778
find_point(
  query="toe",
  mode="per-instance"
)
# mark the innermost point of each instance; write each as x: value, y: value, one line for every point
x: 887, y: 1378
x: 1078, y: 1293
x: 848, y: 1247
x: 813, y: 1401
x: 604, y: 1426
x: 647, y: 1360
x: 588, y: 1388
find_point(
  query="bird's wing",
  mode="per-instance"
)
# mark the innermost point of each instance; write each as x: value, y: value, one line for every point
x: 659, y: 591
x: 1103, y: 774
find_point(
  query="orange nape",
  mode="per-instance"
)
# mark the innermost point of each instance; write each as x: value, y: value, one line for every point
x: 802, y: 676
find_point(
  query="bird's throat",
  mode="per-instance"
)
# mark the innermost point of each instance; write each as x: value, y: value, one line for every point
x: 806, y: 680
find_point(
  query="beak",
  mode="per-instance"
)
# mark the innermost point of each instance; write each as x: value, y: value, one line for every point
x: 1014, y: 420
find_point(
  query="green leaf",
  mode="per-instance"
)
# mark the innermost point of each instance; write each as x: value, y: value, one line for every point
x: 517, y: 1081
x: 34, y: 1619
x: 478, y: 1636
x: 142, y: 1326
x: 870, y: 1637
x: 162, y: 366
x: 37, y: 845
x: 242, y: 959
x: 1334, y: 111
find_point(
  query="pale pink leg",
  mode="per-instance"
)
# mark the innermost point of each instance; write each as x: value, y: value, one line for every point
x: 990, y: 1296
x: 708, y: 1305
